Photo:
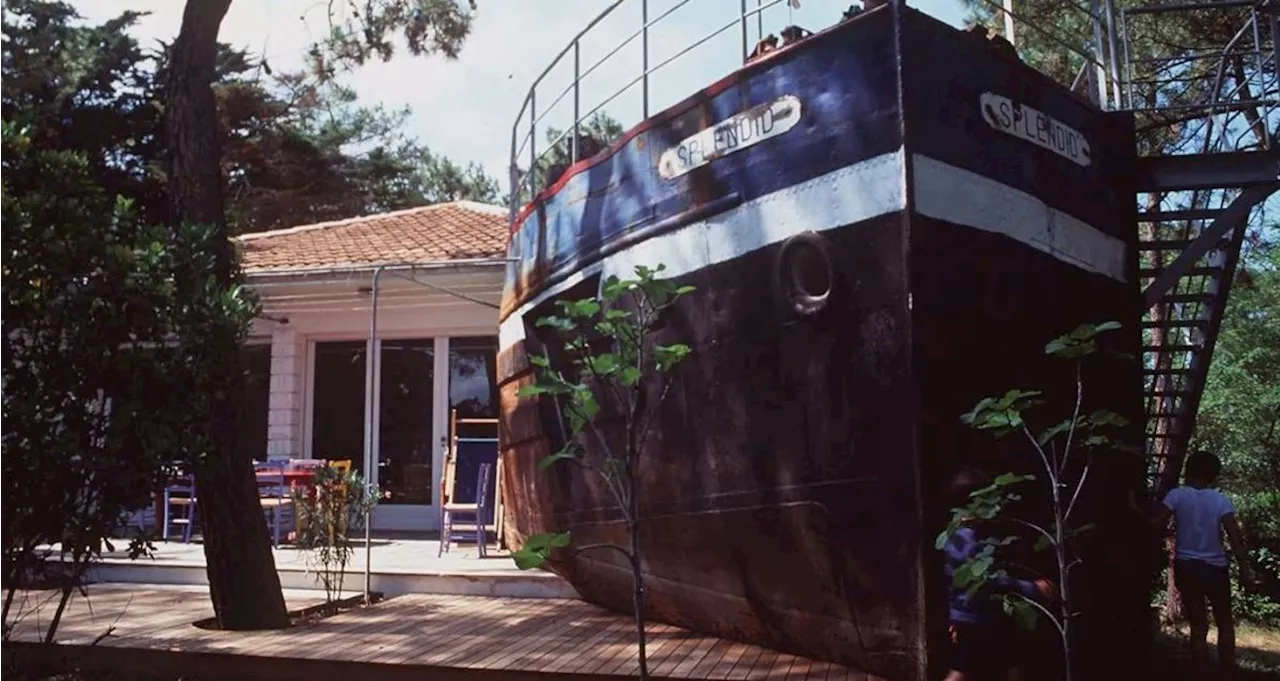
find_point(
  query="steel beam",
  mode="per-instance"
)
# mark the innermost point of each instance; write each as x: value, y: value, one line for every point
x: 1232, y: 217
x: 1206, y: 171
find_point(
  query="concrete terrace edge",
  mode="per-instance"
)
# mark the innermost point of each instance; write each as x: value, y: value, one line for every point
x: 390, y: 582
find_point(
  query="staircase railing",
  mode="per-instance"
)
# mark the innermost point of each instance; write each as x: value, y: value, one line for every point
x: 1254, y: 97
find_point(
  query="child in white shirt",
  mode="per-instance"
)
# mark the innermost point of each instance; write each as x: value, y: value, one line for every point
x: 1200, y: 514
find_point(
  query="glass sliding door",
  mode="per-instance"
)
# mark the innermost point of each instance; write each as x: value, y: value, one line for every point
x: 473, y: 399
x: 337, y: 402
x: 421, y: 381
x: 406, y: 441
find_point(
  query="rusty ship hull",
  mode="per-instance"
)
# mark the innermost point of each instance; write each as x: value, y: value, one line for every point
x: 888, y: 248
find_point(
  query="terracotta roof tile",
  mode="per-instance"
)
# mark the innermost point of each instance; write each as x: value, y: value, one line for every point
x: 445, y: 231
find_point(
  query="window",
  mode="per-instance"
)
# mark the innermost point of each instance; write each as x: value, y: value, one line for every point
x: 255, y: 401
x: 473, y: 394
x: 473, y: 383
x: 337, y: 411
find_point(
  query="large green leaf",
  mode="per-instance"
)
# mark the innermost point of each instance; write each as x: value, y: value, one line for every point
x: 667, y: 356
x: 565, y: 454
x: 1080, y: 342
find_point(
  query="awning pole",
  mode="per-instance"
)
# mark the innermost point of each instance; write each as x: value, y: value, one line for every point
x: 371, y: 427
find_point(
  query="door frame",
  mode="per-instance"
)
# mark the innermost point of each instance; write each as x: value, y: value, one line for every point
x: 398, y: 517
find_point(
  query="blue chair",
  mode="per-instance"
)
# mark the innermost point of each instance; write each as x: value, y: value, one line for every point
x: 274, y: 495
x: 473, y: 516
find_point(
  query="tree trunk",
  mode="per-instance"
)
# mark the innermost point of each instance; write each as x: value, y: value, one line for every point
x: 243, y: 582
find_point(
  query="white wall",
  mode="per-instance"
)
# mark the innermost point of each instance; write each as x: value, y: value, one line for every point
x: 304, y: 313
x: 285, y: 416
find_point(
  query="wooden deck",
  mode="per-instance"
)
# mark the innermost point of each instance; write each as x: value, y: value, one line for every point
x: 410, y: 636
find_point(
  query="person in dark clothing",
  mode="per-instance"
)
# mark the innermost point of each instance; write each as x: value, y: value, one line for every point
x: 980, y: 631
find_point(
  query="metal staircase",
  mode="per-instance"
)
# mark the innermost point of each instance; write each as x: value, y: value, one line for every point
x: 1194, y: 208
x: 1188, y: 262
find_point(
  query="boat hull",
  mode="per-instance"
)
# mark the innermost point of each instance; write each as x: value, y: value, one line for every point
x: 795, y: 476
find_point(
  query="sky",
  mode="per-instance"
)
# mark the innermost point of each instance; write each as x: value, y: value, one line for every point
x: 466, y: 108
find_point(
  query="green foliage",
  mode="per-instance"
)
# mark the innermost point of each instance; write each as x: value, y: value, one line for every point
x: 1002, y: 415
x: 338, y: 503
x: 84, y: 88
x: 984, y: 504
x: 613, y: 371
x: 1255, y: 603
x: 295, y: 149
x: 106, y: 366
x: 1239, y: 419
x: 300, y: 152
x: 537, y: 549
x: 364, y: 31
x: 1080, y: 342
x: 1064, y: 478
x: 611, y: 374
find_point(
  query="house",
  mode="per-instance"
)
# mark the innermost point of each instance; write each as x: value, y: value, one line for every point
x: 437, y: 325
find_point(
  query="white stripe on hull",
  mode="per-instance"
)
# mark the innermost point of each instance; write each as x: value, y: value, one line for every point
x: 963, y: 197
x: 852, y: 194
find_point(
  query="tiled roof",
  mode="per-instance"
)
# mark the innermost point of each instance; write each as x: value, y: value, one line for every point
x: 442, y: 232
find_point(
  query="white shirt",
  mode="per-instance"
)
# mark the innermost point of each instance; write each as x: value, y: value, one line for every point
x: 1198, y: 523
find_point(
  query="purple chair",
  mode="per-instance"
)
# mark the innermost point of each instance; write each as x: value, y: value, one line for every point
x: 274, y: 495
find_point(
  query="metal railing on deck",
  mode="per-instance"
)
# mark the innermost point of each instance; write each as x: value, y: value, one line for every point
x: 524, y: 182
x: 1108, y: 73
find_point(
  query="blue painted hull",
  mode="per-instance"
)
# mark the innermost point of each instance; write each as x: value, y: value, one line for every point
x: 792, y: 487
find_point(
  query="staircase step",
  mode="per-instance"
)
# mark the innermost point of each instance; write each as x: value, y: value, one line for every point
x: 1176, y: 324
x: 1188, y: 298
x: 1153, y: 272
x: 1165, y: 372
x: 1170, y: 385
x: 1170, y: 348
x: 1175, y: 244
x: 1179, y: 215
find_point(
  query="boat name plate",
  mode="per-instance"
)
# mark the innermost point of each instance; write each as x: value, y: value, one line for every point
x: 736, y: 133
x: 1036, y: 127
